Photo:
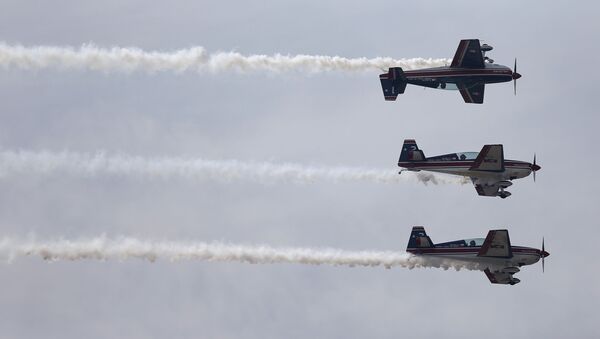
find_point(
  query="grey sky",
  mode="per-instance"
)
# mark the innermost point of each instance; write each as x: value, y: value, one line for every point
x: 326, y: 119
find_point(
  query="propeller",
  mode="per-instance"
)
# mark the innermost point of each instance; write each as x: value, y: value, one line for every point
x: 543, y: 254
x: 534, y: 167
x: 515, y: 76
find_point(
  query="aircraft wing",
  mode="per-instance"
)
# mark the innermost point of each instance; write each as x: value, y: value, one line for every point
x: 496, y: 244
x: 472, y: 94
x: 487, y: 190
x: 491, y: 158
x: 468, y: 55
x: 501, y: 277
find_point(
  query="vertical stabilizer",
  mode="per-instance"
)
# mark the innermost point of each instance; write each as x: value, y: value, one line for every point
x: 393, y: 83
x: 411, y: 152
x: 419, y: 239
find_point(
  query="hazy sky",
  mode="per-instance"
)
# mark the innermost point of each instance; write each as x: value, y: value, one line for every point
x: 333, y: 118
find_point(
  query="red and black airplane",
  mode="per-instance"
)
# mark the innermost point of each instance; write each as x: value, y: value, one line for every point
x: 469, y: 71
x: 493, y: 254
x: 490, y: 172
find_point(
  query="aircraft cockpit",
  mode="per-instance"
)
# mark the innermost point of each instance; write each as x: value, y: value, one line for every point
x: 473, y: 242
x: 456, y: 156
x: 467, y: 155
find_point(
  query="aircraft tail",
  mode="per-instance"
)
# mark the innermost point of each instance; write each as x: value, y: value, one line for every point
x: 393, y: 83
x: 419, y: 239
x: 411, y: 152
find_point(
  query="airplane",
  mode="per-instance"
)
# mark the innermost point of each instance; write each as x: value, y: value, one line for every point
x: 489, y: 171
x: 469, y: 71
x: 494, y: 255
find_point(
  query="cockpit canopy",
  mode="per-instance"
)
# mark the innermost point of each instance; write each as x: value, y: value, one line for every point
x: 456, y: 156
x: 473, y: 242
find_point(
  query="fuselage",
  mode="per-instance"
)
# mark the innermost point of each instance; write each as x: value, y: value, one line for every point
x: 441, y: 77
x: 521, y: 256
x: 513, y: 169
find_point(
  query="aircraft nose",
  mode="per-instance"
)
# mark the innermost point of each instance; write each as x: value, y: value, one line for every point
x: 516, y: 75
x: 535, y: 167
x: 545, y: 254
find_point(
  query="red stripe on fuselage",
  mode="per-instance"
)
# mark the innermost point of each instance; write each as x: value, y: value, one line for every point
x: 475, y: 250
x: 467, y: 163
x: 457, y: 72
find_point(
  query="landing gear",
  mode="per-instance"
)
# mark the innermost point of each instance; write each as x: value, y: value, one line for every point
x: 443, y: 85
x: 504, y: 194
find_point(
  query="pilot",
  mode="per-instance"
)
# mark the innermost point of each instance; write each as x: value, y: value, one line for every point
x: 463, y: 157
x: 472, y: 243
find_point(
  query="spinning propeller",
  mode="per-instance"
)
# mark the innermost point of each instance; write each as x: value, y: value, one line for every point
x: 534, y: 167
x: 515, y: 76
x: 543, y: 254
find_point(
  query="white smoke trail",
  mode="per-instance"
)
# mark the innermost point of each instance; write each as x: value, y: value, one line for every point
x: 195, y: 59
x: 103, y: 248
x: 86, y: 164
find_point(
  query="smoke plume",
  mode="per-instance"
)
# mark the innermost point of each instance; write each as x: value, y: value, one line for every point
x: 194, y: 59
x: 124, y: 248
x: 100, y: 164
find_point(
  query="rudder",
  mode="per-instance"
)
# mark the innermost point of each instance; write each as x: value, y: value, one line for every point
x: 419, y: 239
x: 393, y: 83
x: 411, y: 152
